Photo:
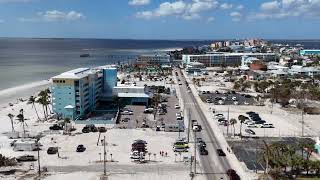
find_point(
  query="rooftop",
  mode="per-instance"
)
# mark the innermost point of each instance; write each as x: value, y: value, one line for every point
x: 75, y: 73
x: 133, y: 95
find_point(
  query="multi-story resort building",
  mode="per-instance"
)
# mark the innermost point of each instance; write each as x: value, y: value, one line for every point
x: 153, y: 59
x: 77, y: 92
x: 227, y: 59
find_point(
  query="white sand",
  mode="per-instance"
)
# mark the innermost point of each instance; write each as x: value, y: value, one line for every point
x: 11, y: 95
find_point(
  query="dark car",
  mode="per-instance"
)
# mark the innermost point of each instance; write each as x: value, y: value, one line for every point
x: 247, y: 96
x: 81, y: 148
x: 203, y: 151
x: 55, y: 127
x: 26, y: 158
x: 232, y: 174
x: 250, y: 112
x: 202, y: 144
x: 102, y: 129
x: 220, y: 152
x: 92, y: 128
x: 85, y: 130
x: 52, y: 150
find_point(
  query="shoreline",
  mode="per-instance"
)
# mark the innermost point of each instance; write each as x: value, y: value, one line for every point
x: 10, y: 95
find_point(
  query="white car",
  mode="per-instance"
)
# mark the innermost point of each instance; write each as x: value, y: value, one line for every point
x: 127, y: 113
x: 235, y: 102
x: 178, y: 114
x: 177, y: 106
x: 246, y: 103
x: 234, y: 98
x: 221, y: 102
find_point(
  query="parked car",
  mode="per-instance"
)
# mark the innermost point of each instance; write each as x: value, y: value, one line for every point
x: 85, y: 130
x: 26, y: 158
x: 102, y: 129
x: 232, y: 174
x: 52, y: 150
x: 125, y: 120
x: 219, y: 115
x: 81, y: 148
x: 208, y: 101
x: 91, y: 128
x: 55, y: 127
x: 250, y: 131
x: 177, y: 106
x: 267, y: 126
x: 127, y: 113
x: 220, y: 152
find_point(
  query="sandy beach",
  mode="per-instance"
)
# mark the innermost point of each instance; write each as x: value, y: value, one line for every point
x: 11, y: 95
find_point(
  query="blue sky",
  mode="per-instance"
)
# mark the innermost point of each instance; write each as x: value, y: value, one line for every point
x: 161, y: 19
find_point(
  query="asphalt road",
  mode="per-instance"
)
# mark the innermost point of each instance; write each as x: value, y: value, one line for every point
x: 213, y: 165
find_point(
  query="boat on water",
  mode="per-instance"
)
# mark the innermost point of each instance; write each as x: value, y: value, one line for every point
x: 84, y: 55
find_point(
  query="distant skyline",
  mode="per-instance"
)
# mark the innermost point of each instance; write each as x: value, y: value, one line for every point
x: 161, y: 19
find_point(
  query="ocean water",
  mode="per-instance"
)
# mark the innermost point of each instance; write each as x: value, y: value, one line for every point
x: 23, y: 61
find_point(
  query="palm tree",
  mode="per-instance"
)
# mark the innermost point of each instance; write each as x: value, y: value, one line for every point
x: 43, y: 100
x: 21, y: 119
x: 241, y: 118
x: 32, y: 100
x: 11, y: 116
x: 233, y: 122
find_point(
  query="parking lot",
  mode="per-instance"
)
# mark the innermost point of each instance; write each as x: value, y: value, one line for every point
x: 140, y: 119
x: 250, y: 151
x: 227, y: 98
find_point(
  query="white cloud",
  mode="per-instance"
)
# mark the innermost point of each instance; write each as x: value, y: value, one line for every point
x: 240, y: 7
x: 139, y: 2
x: 288, y: 8
x: 270, y: 6
x: 54, y: 15
x: 226, y: 6
x: 210, y: 19
x: 236, y: 16
x: 186, y: 10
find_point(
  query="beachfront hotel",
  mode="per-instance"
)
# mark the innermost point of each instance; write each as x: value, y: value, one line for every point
x: 227, y: 59
x: 77, y: 92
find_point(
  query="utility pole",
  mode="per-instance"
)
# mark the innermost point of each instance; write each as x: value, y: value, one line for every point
x: 189, y: 124
x: 195, y: 152
x: 38, y: 149
x: 104, y: 156
x: 228, y: 122
x: 302, y: 124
